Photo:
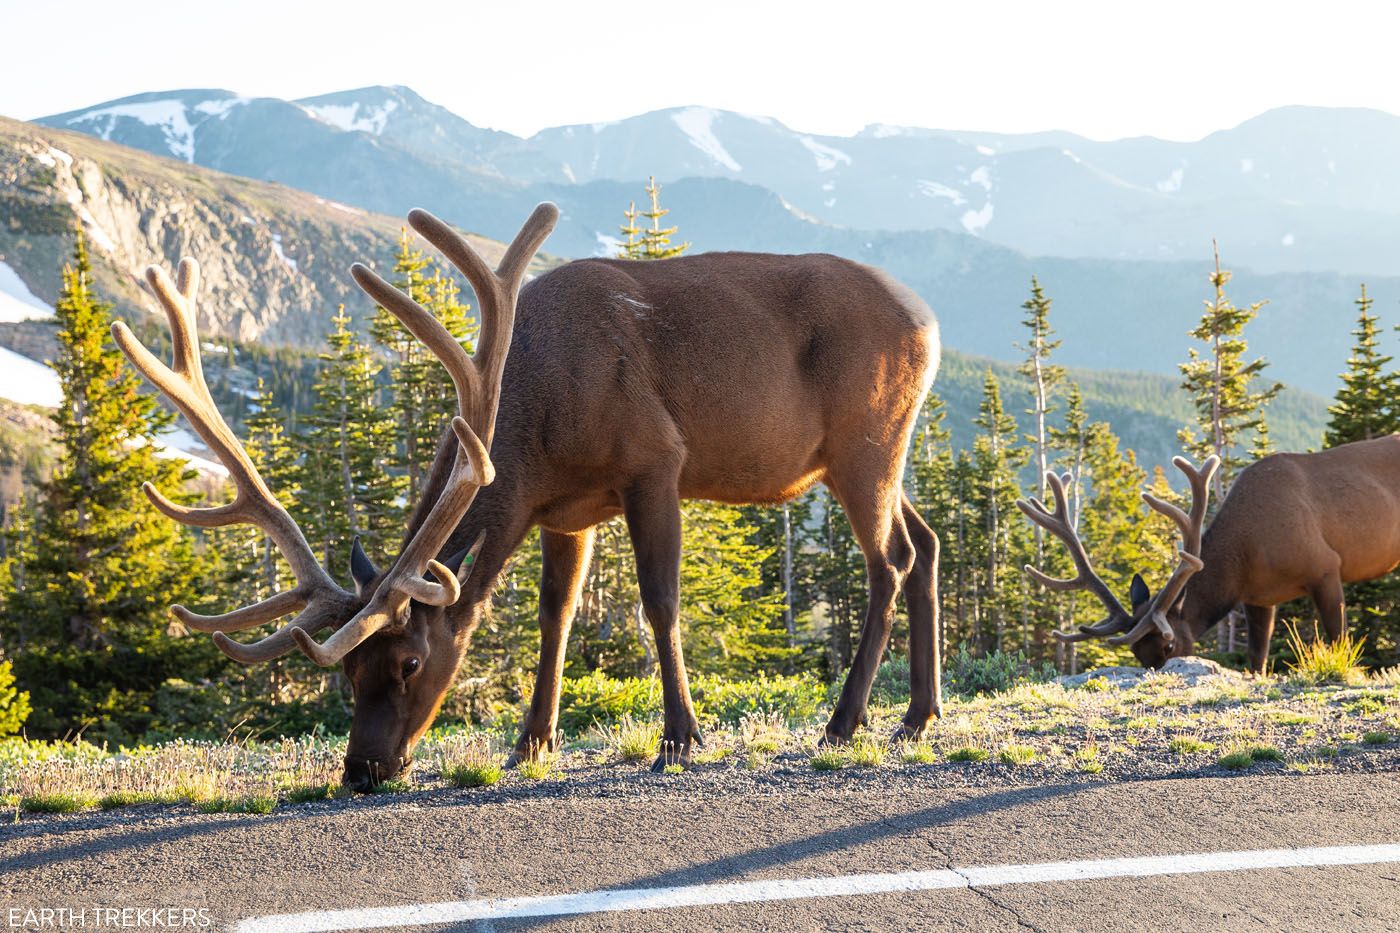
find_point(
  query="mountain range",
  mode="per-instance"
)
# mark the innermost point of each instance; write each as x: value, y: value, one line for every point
x: 1118, y: 232
x: 274, y: 262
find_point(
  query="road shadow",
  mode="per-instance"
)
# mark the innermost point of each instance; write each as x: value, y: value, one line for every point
x: 728, y: 868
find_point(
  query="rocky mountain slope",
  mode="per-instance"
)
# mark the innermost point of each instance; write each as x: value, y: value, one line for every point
x: 274, y: 259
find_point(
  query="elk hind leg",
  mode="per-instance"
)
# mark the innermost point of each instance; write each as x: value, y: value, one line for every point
x: 563, y: 568
x: 921, y: 604
x: 1261, y: 631
x: 653, y: 515
x: 1327, y: 595
x: 876, y: 520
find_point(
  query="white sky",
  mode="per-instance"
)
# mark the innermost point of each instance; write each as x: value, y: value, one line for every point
x: 1176, y: 69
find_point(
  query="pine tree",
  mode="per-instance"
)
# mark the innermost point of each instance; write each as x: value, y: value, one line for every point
x: 346, y: 487
x: 630, y: 247
x: 1044, y: 378
x: 1229, y: 409
x: 997, y: 460
x: 656, y: 240
x: 88, y: 613
x: 423, y: 397
x: 1366, y: 404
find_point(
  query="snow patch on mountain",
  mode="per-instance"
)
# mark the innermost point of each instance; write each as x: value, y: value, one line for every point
x: 287, y: 261
x: 986, y: 151
x: 1172, y: 183
x: 698, y: 125
x: 827, y: 157
x: 935, y: 189
x: 29, y: 383
x: 220, y: 108
x: 17, y: 302
x: 1246, y: 166
x: 1288, y: 239
x: 981, y: 176
x: 975, y: 222
x: 348, y: 117
x: 168, y: 115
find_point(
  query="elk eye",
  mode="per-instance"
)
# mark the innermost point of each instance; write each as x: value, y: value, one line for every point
x: 410, y: 667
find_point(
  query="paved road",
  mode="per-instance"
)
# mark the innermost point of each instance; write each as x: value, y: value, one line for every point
x: 453, y: 846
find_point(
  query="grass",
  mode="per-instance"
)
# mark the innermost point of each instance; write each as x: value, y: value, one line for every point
x: 396, y: 786
x: 1245, y: 756
x: 539, y: 767
x: 1151, y: 727
x: 306, y: 793
x: 1017, y: 755
x: 969, y: 753
x: 58, y: 802
x: 867, y: 751
x: 473, y: 774
x: 917, y: 753
x: 1320, y: 662
x: 1190, y: 745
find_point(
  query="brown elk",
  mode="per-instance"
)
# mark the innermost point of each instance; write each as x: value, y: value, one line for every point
x: 1292, y: 525
x: 628, y: 386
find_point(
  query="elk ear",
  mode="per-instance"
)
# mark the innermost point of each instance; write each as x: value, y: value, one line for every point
x: 1138, y: 593
x: 361, y: 567
x: 464, y: 560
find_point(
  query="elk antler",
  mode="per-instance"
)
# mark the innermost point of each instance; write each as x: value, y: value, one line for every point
x: 1189, y: 561
x: 320, y: 601
x: 478, y: 384
x: 1058, y: 524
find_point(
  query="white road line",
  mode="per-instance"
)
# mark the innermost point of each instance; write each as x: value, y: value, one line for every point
x: 748, y: 892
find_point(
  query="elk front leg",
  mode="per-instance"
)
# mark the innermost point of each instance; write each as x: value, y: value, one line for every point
x: 653, y: 514
x: 564, y: 566
x: 1261, y: 630
x: 921, y: 603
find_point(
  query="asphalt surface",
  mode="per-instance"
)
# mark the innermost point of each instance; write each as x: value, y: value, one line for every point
x: 464, y: 845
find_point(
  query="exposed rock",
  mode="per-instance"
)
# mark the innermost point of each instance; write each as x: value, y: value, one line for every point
x: 1192, y: 670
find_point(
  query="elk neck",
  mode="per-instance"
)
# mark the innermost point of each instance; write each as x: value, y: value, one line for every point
x: 1212, y: 593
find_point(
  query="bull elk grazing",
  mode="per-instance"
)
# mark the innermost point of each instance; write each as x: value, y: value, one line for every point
x: 1292, y: 525
x: 622, y: 388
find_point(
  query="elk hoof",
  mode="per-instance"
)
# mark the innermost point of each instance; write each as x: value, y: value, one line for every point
x: 674, y: 753
x: 528, y: 748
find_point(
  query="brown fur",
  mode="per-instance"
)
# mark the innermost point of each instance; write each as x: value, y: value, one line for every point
x: 629, y: 386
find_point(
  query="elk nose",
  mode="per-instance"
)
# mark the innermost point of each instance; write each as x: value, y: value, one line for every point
x: 362, y: 774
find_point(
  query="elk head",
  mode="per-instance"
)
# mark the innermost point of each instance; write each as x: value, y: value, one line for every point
x: 393, y: 632
x: 1153, y: 627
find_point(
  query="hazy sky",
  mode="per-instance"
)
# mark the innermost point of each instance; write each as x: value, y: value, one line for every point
x: 1177, y: 70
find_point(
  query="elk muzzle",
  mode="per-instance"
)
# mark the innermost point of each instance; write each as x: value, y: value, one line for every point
x: 363, y: 774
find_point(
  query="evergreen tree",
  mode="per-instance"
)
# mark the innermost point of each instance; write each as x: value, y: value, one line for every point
x: 630, y: 247
x: 997, y: 461
x: 656, y: 240
x: 346, y: 487
x: 1044, y: 378
x: 1229, y: 409
x: 88, y: 614
x: 1365, y: 406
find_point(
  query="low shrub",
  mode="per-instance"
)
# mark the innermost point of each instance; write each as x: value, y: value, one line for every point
x: 967, y: 675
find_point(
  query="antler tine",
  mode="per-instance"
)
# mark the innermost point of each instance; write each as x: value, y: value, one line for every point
x: 496, y: 293
x: 183, y: 383
x: 1189, y: 561
x: 478, y: 384
x: 1057, y: 522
